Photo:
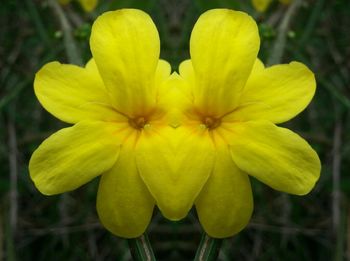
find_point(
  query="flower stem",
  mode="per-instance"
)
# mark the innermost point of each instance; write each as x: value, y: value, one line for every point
x: 280, y: 43
x: 208, y: 249
x: 72, y: 50
x: 141, y: 249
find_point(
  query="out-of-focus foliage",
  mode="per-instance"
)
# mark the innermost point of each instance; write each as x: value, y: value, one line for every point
x: 283, y: 227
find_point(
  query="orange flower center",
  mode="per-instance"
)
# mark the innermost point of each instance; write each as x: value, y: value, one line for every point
x: 138, y: 122
x: 211, y: 122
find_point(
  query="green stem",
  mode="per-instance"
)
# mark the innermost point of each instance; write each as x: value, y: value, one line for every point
x: 208, y: 249
x: 72, y: 50
x: 280, y: 43
x: 141, y: 249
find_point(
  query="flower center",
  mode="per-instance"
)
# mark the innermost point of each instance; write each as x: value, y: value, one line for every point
x: 138, y: 122
x: 211, y: 122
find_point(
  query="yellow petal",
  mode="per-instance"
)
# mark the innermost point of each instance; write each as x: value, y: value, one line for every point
x: 88, y: 5
x: 225, y: 203
x: 275, y: 156
x: 73, y: 94
x: 125, y: 45
x: 175, y: 164
x: 257, y: 67
x: 124, y: 204
x: 276, y: 94
x: 261, y: 5
x: 174, y: 100
x: 164, y: 100
x: 73, y: 156
x: 163, y: 72
x: 187, y: 73
x: 223, y: 46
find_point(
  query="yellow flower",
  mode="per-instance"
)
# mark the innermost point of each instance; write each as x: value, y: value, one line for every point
x: 262, y: 5
x: 118, y: 105
x: 230, y: 106
x: 88, y: 5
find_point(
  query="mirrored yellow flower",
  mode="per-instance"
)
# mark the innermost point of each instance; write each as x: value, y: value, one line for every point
x: 229, y: 106
x: 117, y: 104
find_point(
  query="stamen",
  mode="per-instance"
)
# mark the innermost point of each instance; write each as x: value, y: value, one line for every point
x: 211, y: 122
x: 208, y: 121
x: 138, y: 122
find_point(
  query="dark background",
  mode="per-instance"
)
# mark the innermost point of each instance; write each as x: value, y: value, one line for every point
x: 283, y: 227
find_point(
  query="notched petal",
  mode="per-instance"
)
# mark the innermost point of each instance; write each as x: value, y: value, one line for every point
x: 175, y: 164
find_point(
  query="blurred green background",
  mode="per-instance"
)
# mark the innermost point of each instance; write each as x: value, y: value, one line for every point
x: 66, y: 227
